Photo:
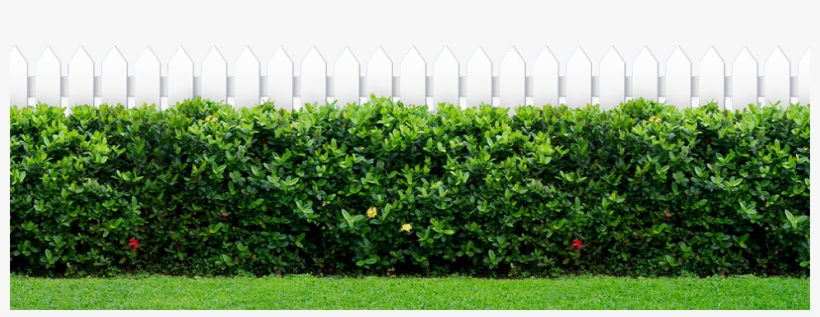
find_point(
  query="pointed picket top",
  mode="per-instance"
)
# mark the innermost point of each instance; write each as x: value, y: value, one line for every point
x: 147, y: 79
x: 81, y: 79
x: 778, y: 79
x: 280, y: 80
x: 513, y: 80
x: 804, y: 78
x: 611, y: 85
x: 114, y: 71
x: 180, y: 77
x: 246, y: 81
x: 347, y: 74
x: 744, y: 80
x: 445, y: 78
x: 479, y: 79
x: 18, y: 78
x: 48, y: 76
x: 645, y: 75
x: 545, y: 79
x: 579, y: 79
x: 413, y: 84
x: 379, y: 75
x: 314, y: 78
x: 214, y: 76
x: 679, y: 80
x: 712, y: 79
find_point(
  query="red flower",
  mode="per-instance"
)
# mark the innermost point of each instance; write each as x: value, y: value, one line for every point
x: 134, y: 244
x: 709, y: 142
x: 577, y: 245
x: 667, y: 215
x: 224, y: 214
x: 265, y: 141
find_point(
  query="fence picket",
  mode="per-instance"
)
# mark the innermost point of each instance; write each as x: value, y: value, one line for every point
x: 804, y: 78
x: 114, y: 71
x: 413, y: 84
x: 513, y: 80
x: 280, y: 80
x: 445, y: 78
x: 545, y: 79
x: 744, y: 80
x: 180, y: 77
x: 350, y: 85
x: 679, y: 80
x: 81, y: 79
x: 346, y: 79
x: 48, y: 72
x: 479, y: 79
x: 18, y: 78
x: 214, y: 76
x: 612, y: 89
x: 711, y: 82
x: 579, y: 79
x: 147, y: 79
x: 778, y: 78
x: 314, y: 78
x: 645, y: 75
x: 246, y: 80
x: 380, y: 74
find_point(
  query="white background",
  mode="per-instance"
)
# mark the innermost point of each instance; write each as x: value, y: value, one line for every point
x: 396, y: 25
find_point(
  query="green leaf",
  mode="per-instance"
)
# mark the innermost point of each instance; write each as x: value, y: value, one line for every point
x: 670, y: 260
x: 134, y: 206
x: 789, y: 215
x: 116, y: 223
x: 227, y: 260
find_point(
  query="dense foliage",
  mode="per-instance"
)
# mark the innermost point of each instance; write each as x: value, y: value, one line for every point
x: 204, y: 188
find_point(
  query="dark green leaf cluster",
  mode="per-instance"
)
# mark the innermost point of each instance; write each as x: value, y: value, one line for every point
x: 204, y: 188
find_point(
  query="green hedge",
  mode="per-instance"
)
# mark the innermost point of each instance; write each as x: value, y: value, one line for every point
x: 384, y: 187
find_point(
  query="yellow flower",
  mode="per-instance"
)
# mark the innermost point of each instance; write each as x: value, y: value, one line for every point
x: 371, y: 212
x: 406, y: 227
x: 324, y: 203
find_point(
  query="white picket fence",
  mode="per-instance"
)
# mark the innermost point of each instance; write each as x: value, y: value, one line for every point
x: 413, y: 86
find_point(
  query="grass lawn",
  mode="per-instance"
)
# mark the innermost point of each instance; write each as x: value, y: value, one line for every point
x: 306, y: 292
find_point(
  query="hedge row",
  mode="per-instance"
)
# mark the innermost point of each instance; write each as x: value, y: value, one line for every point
x: 203, y: 188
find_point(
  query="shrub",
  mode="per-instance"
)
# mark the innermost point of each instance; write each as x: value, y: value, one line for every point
x: 203, y: 188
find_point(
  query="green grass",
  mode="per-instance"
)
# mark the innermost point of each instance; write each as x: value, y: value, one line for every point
x: 305, y: 292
